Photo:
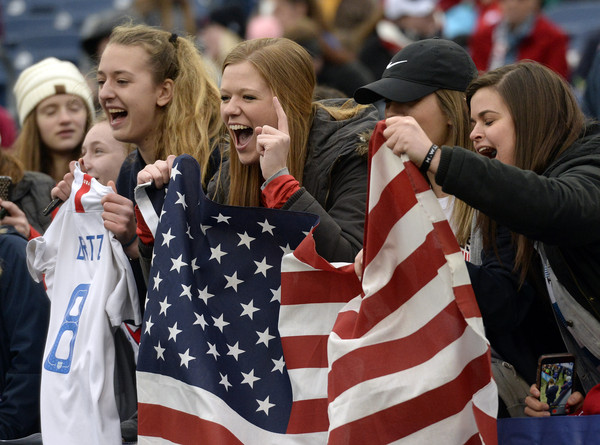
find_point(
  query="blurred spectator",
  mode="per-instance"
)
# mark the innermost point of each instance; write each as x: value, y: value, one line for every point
x: 55, y: 109
x: 354, y: 20
x: 343, y: 76
x: 291, y: 12
x: 8, y: 130
x: 522, y: 33
x: 403, y: 22
x: 24, y: 315
x: 166, y: 13
x: 222, y: 29
x: 263, y: 25
x: 591, y: 97
x: 28, y: 196
x: 94, y: 34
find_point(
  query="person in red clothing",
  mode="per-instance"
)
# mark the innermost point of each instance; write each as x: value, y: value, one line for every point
x: 523, y: 33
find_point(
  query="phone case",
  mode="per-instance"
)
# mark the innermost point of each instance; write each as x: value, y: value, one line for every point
x: 555, y: 376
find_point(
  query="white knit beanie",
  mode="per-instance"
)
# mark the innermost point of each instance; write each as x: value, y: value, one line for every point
x: 47, y: 78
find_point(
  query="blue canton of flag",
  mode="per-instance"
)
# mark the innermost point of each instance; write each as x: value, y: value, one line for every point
x: 212, y: 310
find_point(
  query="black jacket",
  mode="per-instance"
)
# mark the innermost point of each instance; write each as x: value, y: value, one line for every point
x: 24, y: 316
x: 560, y: 208
x: 32, y: 195
x: 334, y: 182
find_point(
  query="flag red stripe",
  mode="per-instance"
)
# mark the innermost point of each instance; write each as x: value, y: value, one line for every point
x: 418, y: 413
x: 180, y: 427
x: 318, y: 287
x: 486, y: 424
x: 465, y: 298
x: 85, y: 187
x: 446, y: 327
x: 306, y: 351
x: 408, y: 278
x: 393, y: 203
x: 446, y: 237
x: 308, y: 416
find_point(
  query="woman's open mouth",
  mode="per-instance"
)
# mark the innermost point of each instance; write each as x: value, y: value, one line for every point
x: 488, y: 152
x: 116, y: 115
x: 242, y: 135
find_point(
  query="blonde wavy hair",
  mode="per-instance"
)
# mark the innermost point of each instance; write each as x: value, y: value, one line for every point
x: 191, y: 122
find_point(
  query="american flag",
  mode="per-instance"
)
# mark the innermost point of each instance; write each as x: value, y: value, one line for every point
x: 211, y: 366
x: 406, y: 359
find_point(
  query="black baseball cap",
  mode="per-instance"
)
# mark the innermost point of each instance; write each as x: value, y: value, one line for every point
x: 419, y: 69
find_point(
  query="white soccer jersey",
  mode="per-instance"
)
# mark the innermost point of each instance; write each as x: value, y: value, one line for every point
x: 92, y: 289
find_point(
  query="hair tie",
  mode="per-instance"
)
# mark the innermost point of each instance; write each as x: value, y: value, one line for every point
x: 173, y: 37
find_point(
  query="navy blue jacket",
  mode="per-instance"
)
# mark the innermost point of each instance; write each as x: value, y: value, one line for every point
x: 24, y: 316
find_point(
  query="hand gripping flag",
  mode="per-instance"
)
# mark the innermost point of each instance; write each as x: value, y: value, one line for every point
x: 211, y: 368
x: 407, y: 359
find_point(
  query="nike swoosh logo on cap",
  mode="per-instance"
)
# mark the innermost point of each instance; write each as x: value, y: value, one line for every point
x: 395, y: 63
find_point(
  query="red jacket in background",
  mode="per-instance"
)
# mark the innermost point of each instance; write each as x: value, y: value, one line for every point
x: 547, y: 44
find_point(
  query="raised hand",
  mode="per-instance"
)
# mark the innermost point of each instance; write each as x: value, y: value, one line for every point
x: 273, y: 144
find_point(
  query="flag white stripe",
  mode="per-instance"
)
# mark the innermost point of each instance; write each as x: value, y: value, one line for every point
x: 428, y: 303
x: 146, y: 208
x: 387, y: 165
x: 308, y: 319
x: 374, y: 395
x: 308, y: 383
x: 171, y: 393
x: 406, y: 236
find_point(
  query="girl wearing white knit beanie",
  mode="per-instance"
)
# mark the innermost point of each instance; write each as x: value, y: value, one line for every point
x: 55, y: 109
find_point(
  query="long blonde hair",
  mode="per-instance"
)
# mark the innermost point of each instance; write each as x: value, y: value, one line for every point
x: 454, y: 106
x: 191, y: 122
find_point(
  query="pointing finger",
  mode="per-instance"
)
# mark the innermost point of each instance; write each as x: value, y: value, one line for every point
x: 282, y: 123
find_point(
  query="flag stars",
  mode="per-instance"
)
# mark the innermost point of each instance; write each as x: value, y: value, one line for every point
x: 264, y: 405
x: 262, y: 267
x: 186, y: 358
x: 232, y: 281
x: 245, y: 239
x: 167, y: 237
x: 181, y: 200
x: 178, y: 263
x: 149, y: 325
x: 264, y: 337
x: 279, y: 365
x: 174, y: 172
x: 188, y: 232
x: 235, y: 351
x: 204, y: 295
x: 220, y: 323
x: 276, y: 294
x: 220, y: 218
x: 249, y: 378
x: 216, y: 253
x: 225, y: 382
x: 204, y: 228
x: 286, y: 249
x: 187, y: 291
x: 164, y: 306
x: 194, y: 266
x: 157, y: 280
x: 212, y: 350
x: 266, y: 227
x: 159, y: 351
x: 174, y: 332
x: 200, y: 320
x: 249, y: 309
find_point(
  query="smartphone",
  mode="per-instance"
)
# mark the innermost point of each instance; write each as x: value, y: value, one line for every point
x: 555, y: 377
x: 5, y: 183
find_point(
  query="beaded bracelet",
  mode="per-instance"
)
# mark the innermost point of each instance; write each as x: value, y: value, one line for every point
x: 428, y: 158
